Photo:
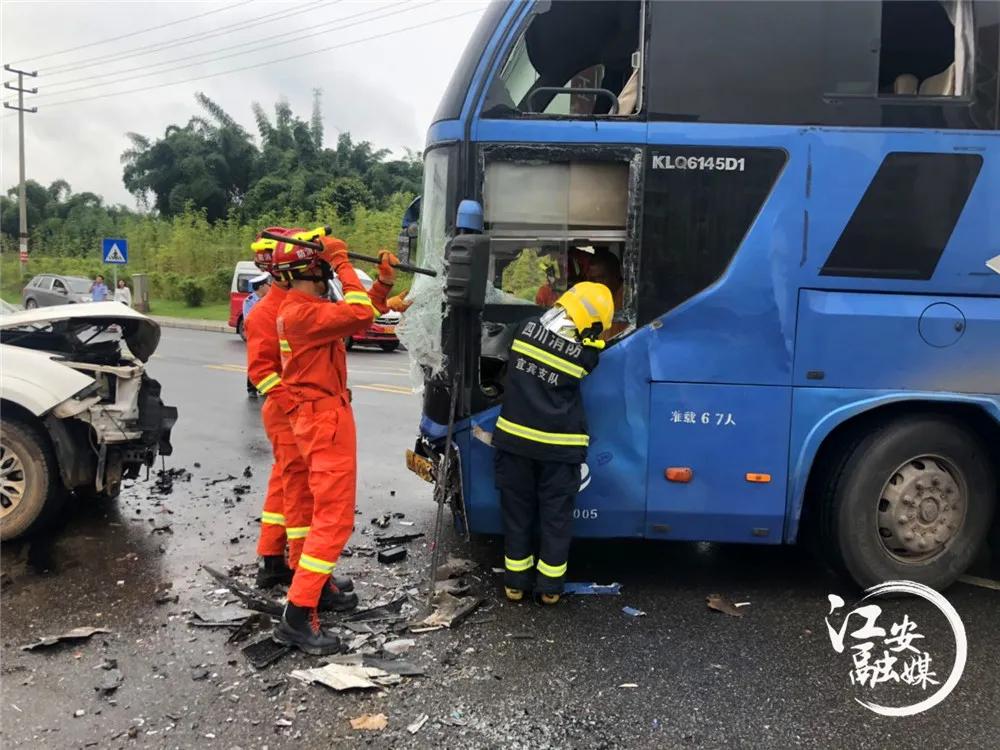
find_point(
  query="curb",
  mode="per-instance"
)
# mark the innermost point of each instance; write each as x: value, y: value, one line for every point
x: 193, y: 324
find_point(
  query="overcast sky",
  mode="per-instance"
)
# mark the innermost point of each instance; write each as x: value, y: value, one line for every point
x: 384, y: 90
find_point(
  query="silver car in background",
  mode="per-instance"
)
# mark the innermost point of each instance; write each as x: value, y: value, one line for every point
x: 47, y: 289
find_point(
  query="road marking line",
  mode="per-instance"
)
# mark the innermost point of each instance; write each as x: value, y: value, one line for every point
x: 227, y: 368
x: 386, y: 389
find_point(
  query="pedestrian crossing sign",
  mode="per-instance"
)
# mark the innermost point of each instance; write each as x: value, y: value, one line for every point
x: 114, y: 251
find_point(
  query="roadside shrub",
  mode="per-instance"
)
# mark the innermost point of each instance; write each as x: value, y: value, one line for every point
x: 217, y: 284
x: 193, y: 292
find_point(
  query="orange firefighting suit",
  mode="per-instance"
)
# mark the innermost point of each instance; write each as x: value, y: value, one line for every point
x: 311, y: 333
x: 288, y: 502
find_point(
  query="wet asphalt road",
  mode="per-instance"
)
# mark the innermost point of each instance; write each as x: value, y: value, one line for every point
x: 510, y: 676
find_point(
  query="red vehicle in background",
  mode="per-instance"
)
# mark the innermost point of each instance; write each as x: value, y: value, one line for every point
x: 381, y: 333
x: 239, y: 290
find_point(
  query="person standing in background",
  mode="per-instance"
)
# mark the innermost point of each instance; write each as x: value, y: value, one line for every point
x: 259, y: 287
x: 123, y: 294
x: 98, y: 290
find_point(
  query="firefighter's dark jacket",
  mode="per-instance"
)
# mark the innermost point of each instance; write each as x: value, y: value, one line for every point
x: 542, y: 416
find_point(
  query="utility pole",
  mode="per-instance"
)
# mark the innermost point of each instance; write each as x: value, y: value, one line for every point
x: 22, y: 199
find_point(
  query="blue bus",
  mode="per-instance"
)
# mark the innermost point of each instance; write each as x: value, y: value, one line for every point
x: 794, y: 204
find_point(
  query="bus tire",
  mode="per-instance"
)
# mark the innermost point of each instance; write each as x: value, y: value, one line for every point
x: 911, y: 500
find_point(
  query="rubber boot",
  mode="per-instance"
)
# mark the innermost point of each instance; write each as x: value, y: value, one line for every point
x: 343, y: 583
x: 273, y: 570
x: 299, y: 627
x: 332, y: 599
x: 549, y: 599
x: 515, y: 595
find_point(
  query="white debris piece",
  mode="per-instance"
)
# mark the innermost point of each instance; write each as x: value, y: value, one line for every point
x: 342, y: 676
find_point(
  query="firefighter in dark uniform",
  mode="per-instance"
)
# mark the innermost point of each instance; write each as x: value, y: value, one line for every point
x: 541, y: 437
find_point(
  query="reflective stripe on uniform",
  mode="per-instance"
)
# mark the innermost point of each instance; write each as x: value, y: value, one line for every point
x: 275, y: 519
x: 538, y: 436
x: 316, y: 565
x: 547, y: 358
x: 551, y: 571
x: 296, y: 532
x: 284, y: 345
x: 268, y: 383
x: 359, y: 298
x: 516, y: 566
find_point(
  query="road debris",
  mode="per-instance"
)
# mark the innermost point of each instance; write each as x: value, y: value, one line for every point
x: 392, y: 555
x: 594, y: 589
x: 454, y: 567
x: 392, y: 666
x: 251, y: 599
x: 448, y: 611
x: 633, y: 612
x: 247, y: 472
x: 399, y: 646
x: 264, y: 652
x: 76, y: 634
x: 163, y: 594
x: 370, y: 722
x: 453, y: 586
x: 382, y: 521
x: 721, y: 604
x: 390, y: 611
x: 628, y: 685
x: 342, y: 676
x: 386, y: 540
x: 256, y: 621
x: 111, y: 680
x: 231, y: 615
x: 418, y: 724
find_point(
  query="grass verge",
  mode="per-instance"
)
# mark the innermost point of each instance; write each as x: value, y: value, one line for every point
x: 177, y: 309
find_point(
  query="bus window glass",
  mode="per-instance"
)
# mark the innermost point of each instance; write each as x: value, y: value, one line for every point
x: 571, y: 45
x: 926, y: 48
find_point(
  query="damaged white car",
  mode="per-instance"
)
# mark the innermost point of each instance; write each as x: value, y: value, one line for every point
x: 79, y: 413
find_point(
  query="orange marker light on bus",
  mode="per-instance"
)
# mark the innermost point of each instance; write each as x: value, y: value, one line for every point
x: 758, y: 478
x: 681, y: 474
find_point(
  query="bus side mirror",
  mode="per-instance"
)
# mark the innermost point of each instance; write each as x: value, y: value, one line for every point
x: 468, y: 257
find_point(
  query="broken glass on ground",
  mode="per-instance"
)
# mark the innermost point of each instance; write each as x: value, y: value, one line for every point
x: 417, y: 724
x: 230, y: 615
x: 388, y: 539
x: 633, y: 612
x: 76, y: 634
x: 388, y: 611
x: 399, y: 667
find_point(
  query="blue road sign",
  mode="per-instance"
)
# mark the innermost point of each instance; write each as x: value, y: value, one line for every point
x: 114, y: 251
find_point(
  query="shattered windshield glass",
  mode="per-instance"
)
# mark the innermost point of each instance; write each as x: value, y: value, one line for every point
x: 420, y: 328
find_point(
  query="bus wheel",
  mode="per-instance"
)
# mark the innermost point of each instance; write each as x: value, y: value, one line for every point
x: 912, y: 501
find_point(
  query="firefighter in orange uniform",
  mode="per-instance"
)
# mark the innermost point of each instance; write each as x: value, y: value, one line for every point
x: 311, y: 332
x: 288, y: 502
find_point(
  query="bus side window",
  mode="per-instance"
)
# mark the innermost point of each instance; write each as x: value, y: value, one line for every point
x: 573, y: 44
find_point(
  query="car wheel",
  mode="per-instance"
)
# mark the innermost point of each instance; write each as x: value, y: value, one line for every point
x: 239, y: 329
x: 30, y: 304
x: 911, y: 501
x: 30, y: 489
x: 390, y: 346
x: 349, y: 343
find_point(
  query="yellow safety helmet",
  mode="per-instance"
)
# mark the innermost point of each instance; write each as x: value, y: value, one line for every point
x: 588, y: 303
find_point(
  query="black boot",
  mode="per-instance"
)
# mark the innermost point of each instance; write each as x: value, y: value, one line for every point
x: 334, y: 600
x: 343, y: 583
x: 299, y: 627
x: 273, y: 570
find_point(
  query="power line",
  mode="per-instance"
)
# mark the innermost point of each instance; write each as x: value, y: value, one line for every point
x: 268, y: 62
x: 94, y: 81
x: 189, y: 39
x: 140, y: 31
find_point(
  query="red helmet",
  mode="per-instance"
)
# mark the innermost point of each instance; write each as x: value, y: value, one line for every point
x: 267, y: 253
x: 295, y: 260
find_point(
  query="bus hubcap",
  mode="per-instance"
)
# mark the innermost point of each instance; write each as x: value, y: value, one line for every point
x: 12, y: 483
x: 921, y: 509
